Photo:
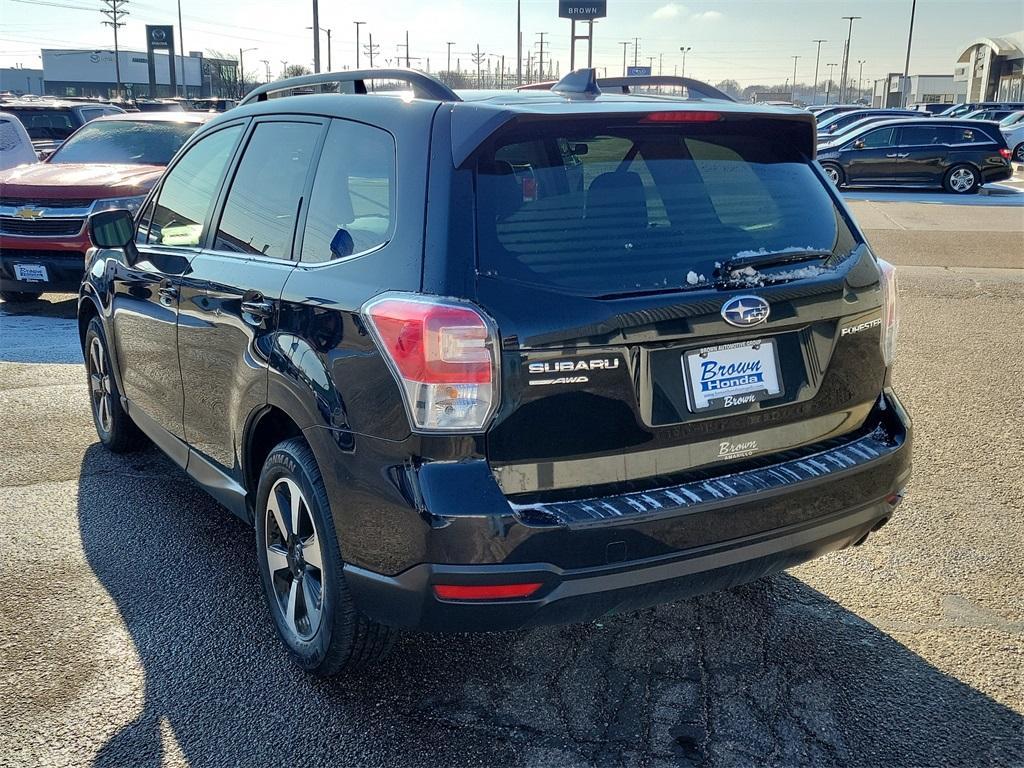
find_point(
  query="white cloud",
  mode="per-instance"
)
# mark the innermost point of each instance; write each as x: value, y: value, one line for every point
x: 667, y: 11
x: 708, y: 16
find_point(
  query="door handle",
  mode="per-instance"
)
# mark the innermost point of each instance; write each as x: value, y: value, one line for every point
x: 168, y: 295
x: 255, y: 311
x: 905, y: 154
x: 895, y: 154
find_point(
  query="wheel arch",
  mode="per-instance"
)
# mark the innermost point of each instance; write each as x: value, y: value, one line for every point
x: 267, y: 427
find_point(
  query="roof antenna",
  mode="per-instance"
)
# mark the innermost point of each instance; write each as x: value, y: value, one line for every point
x: 580, y: 83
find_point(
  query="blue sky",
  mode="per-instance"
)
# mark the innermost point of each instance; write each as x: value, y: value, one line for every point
x: 751, y: 41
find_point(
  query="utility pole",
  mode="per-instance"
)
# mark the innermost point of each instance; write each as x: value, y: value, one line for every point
x: 358, y: 24
x: 684, y: 49
x: 181, y: 47
x: 241, y: 71
x: 540, y: 55
x: 372, y: 50
x: 817, y: 59
x: 906, y: 65
x: 625, y: 45
x: 115, y: 12
x: 793, y: 90
x: 828, y: 86
x: 860, y: 77
x: 316, y: 35
x: 450, y: 43
x: 477, y: 58
x: 519, y: 43
x: 636, y: 51
x: 407, y: 49
x: 661, y: 62
x: 846, y: 59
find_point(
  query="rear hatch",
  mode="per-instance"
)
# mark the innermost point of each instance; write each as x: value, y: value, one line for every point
x: 622, y: 258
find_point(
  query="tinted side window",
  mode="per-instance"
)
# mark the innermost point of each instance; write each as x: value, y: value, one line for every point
x: 916, y: 136
x: 259, y: 215
x: 92, y: 114
x: 879, y: 138
x: 351, y: 208
x: 188, y: 190
x: 957, y: 135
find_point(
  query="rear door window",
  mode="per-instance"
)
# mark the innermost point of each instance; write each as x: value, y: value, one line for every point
x: 639, y: 208
x: 919, y: 136
x: 883, y: 137
x: 263, y: 203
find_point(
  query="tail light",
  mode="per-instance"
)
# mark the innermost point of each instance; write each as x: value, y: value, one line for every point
x: 1005, y: 153
x: 890, y: 315
x: 444, y: 354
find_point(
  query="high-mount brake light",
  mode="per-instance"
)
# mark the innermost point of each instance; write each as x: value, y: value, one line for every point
x: 444, y: 354
x: 890, y: 313
x: 681, y: 116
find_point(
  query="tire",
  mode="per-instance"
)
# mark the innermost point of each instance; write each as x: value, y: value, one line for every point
x: 962, y: 180
x: 301, y: 566
x: 114, y: 426
x: 19, y: 297
x: 834, y: 173
x: 1018, y: 152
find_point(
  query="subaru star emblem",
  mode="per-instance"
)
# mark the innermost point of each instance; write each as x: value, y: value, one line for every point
x: 745, y: 311
x: 28, y: 212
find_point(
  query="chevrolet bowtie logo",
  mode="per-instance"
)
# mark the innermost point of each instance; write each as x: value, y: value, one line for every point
x: 28, y: 212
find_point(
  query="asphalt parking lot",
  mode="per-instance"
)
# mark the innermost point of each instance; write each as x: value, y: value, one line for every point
x: 133, y: 632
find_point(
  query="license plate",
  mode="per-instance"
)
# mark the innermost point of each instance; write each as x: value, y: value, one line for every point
x: 31, y: 273
x: 731, y: 375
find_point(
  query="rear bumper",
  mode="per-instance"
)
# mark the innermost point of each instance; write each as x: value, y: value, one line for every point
x: 994, y: 173
x: 835, y: 503
x: 63, y: 258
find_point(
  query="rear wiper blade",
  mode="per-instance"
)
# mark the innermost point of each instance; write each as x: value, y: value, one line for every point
x: 773, y: 258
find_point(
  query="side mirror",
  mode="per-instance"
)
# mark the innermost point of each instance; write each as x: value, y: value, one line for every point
x: 112, y: 229
x: 858, y: 144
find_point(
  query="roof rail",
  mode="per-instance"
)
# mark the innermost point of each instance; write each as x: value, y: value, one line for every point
x: 423, y: 86
x: 697, y: 88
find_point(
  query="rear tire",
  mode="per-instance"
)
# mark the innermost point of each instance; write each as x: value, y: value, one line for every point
x: 301, y: 571
x: 962, y: 180
x: 835, y: 173
x: 114, y: 426
x: 19, y: 297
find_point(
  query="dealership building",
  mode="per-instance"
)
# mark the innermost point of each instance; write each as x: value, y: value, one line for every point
x: 93, y: 73
x: 992, y: 68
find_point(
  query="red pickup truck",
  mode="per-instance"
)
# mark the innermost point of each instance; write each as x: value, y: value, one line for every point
x: 110, y: 162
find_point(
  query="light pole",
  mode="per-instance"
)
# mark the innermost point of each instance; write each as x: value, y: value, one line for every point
x: 793, y: 89
x: 906, y: 66
x: 316, y: 35
x: 328, y: 31
x: 828, y: 86
x: 817, y: 60
x: 358, y: 24
x: 519, y: 43
x: 450, y: 43
x: 860, y: 78
x: 846, y: 59
x: 684, y: 49
x: 266, y: 66
x: 241, y: 71
x: 625, y: 47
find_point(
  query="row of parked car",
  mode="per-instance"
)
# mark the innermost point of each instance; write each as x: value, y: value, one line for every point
x: 959, y: 149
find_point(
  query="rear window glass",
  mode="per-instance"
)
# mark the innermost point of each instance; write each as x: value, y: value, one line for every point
x: 43, y: 124
x: 630, y: 209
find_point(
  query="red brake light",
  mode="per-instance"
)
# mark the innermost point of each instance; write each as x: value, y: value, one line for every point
x: 681, y: 117
x: 485, y: 591
x: 1006, y: 153
x: 444, y: 353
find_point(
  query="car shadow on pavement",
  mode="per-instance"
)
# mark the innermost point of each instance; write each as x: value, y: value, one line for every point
x: 770, y: 673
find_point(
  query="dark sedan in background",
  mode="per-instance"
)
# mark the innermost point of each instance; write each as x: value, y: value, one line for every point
x: 957, y: 155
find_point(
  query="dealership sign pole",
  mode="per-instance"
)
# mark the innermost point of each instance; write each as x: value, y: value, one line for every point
x: 581, y: 10
x: 160, y: 38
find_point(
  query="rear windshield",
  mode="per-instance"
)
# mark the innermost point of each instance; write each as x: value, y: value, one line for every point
x: 43, y: 124
x: 142, y: 142
x: 629, y: 209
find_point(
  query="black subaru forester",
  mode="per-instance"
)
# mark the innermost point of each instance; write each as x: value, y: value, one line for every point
x: 486, y: 360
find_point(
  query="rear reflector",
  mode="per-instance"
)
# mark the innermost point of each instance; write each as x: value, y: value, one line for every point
x: 681, y: 117
x: 485, y: 591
